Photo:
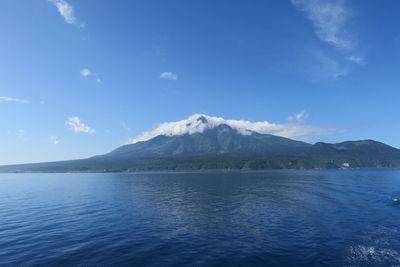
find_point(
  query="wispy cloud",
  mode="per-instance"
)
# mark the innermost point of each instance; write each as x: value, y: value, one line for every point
x: 55, y: 140
x: 76, y: 125
x: 194, y: 124
x: 358, y: 60
x: 169, y: 76
x: 329, y: 19
x: 20, y: 133
x: 319, y: 66
x: 298, y: 117
x: 87, y: 72
x: 125, y: 126
x: 11, y: 99
x: 97, y: 77
x: 67, y: 11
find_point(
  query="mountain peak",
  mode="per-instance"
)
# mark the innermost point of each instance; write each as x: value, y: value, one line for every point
x: 196, y: 119
x: 198, y: 123
x: 202, y: 119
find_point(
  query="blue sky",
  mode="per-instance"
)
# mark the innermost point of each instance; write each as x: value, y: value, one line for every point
x: 81, y: 77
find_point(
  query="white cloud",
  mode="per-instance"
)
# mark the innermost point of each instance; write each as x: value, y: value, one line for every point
x: 169, y: 76
x: 11, y: 99
x: 67, y: 11
x: 85, y: 72
x: 55, y: 140
x: 75, y: 124
x: 356, y: 59
x: 319, y: 66
x: 298, y: 117
x: 329, y: 19
x: 97, y: 76
x: 195, y: 124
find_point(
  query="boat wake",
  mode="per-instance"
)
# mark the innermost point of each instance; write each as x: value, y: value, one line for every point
x: 377, y: 248
x: 369, y: 255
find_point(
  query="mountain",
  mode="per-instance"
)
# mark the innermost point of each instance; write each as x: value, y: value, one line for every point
x: 205, y: 145
x: 220, y: 140
x: 360, y: 154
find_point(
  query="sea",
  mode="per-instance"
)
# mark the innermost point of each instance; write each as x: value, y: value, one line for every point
x: 233, y: 218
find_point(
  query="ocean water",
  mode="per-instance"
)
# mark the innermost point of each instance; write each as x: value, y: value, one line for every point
x: 278, y: 218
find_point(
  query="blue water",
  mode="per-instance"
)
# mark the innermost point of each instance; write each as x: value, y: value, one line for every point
x: 208, y: 219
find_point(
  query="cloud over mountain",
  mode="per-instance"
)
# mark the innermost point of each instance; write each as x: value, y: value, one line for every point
x: 197, y: 123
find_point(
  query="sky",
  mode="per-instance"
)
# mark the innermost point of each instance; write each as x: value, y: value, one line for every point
x: 81, y: 77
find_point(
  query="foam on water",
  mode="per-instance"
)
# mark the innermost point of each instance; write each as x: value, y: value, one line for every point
x: 377, y: 248
x: 366, y: 255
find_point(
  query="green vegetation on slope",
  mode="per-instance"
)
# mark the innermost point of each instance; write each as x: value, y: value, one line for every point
x: 223, y: 148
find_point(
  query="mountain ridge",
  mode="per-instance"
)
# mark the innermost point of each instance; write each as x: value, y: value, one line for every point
x: 225, y: 148
x: 220, y: 139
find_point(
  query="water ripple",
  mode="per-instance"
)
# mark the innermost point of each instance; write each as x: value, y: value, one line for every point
x: 211, y: 219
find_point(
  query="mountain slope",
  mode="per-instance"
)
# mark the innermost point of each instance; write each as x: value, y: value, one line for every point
x: 223, y: 147
x: 360, y: 154
x: 221, y: 140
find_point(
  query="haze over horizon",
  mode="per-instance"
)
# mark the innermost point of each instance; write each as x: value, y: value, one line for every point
x: 80, y: 78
